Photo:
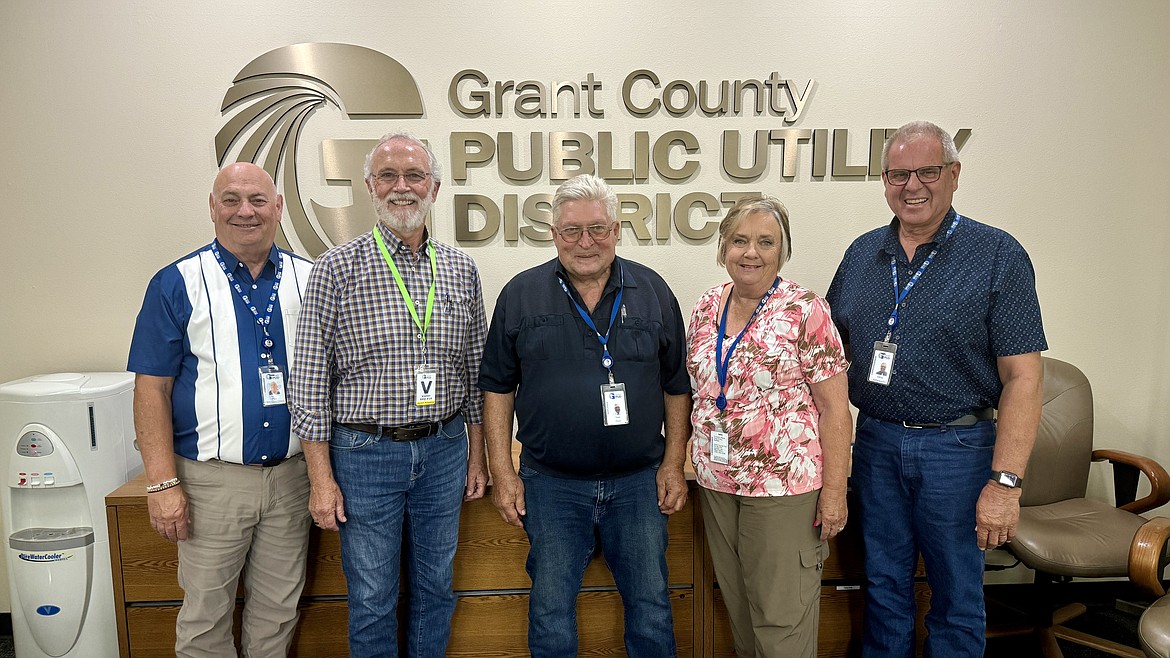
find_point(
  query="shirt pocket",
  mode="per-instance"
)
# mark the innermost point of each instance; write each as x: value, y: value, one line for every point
x: 543, y: 336
x: 634, y: 341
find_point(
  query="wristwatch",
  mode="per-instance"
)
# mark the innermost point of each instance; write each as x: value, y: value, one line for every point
x: 1007, y: 479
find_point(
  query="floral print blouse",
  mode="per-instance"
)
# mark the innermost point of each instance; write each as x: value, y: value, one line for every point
x: 771, y: 419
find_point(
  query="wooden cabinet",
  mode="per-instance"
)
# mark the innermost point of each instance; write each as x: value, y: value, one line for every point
x: 491, y: 615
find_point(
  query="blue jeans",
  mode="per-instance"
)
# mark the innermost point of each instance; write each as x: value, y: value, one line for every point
x: 564, y: 516
x: 398, y: 493
x: 917, y: 490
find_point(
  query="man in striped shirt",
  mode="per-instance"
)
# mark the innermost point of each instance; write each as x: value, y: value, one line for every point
x: 387, y: 356
x: 227, y: 479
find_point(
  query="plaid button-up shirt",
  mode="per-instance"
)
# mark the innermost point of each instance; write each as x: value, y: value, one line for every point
x: 357, y: 347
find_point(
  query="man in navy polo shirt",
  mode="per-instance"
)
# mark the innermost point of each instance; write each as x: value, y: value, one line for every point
x: 587, y: 350
x: 227, y: 480
x: 943, y: 324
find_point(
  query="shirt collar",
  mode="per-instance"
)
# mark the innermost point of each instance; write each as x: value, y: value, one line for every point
x: 233, y: 263
x: 611, y: 284
x: 394, y: 244
x: 893, y: 247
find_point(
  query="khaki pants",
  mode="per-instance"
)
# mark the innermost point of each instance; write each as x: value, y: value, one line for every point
x: 250, y: 519
x: 768, y: 558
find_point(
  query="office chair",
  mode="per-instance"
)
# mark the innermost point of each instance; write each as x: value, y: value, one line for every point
x: 1064, y: 535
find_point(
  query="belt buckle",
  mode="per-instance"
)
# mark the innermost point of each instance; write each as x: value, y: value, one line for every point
x: 413, y: 432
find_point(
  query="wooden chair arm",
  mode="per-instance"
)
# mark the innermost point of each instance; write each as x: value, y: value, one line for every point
x: 1145, y: 555
x: 1126, y: 467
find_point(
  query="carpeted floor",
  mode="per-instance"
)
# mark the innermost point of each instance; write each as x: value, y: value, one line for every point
x: 1102, y: 620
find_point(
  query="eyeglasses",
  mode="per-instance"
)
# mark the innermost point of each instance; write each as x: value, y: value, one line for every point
x: 925, y: 174
x: 573, y: 234
x: 411, y: 177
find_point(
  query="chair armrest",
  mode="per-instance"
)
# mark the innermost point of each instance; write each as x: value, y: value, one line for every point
x: 1145, y: 555
x: 1126, y: 467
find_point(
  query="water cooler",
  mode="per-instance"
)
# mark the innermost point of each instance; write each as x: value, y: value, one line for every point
x: 66, y: 440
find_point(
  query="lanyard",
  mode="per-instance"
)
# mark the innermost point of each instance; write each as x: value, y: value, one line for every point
x: 263, y: 322
x: 899, y: 296
x: 606, y: 359
x: 722, y: 362
x: 422, y: 326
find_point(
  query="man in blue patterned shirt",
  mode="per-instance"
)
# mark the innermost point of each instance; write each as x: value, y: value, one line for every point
x: 942, y: 321
x: 384, y: 381
x: 227, y: 479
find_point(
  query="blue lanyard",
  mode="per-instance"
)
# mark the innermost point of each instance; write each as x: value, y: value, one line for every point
x: 606, y: 359
x: 262, y: 321
x: 899, y: 296
x: 722, y: 362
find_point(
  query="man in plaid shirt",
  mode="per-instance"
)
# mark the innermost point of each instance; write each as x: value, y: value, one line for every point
x: 383, y: 385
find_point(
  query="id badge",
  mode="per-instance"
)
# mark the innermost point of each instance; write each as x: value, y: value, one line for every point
x: 881, y: 366
x: 719, y: 448
x: 426, y: 379
x: 272, y: 386
x: 613, y: 404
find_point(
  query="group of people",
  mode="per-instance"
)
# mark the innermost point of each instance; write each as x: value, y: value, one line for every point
x: 367, y: 393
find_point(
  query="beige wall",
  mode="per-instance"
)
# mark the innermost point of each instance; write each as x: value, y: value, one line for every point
x: 109, y: 111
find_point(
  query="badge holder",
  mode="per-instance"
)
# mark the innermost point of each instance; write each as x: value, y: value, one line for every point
x: 272, y: 386
x: 719, y: 447
x: 426, y: 379
x: 613, y: 404
x: 881, y: 366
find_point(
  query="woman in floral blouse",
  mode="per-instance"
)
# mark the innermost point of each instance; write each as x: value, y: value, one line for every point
x: 771, y: 434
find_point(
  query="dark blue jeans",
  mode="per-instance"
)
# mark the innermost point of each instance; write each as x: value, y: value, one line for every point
x: 395, y: 491
x: 563, y: 518
x: 917, y: 490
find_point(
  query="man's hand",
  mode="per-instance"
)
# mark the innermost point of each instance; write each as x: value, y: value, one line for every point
x: 508, y: 496
x: 672, y: 489
x: 477, y: 477
x: 168, y: 513
x: 996, y: 516
x: 326, y: 504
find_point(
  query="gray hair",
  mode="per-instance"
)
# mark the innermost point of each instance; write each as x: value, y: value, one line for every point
x: 769, y: 205
x: 917, y: 130
x: 436, y: 168
x: 585, y: 187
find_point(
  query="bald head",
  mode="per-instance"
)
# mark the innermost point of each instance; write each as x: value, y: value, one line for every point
x: 246, y: 211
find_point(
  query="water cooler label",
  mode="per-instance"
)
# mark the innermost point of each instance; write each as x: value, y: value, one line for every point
x: 48, y: 610
x: 45, y: 557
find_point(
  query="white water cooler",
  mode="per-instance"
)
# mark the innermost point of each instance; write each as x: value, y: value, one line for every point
x: 66, y: 440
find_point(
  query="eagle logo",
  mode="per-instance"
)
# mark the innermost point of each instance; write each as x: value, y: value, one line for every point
x: 276, y: 93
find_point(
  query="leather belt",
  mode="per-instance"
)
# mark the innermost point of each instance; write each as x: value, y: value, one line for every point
x: 412, y: 432
x: 967, y: 420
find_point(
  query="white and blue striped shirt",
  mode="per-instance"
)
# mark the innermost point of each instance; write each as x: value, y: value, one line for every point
x: 194, y: 327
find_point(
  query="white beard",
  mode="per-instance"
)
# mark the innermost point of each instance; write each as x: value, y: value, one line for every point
x: 402, y: 220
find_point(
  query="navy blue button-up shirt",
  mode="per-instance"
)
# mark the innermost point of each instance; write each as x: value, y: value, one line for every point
x: 539, y: 347
x: 975, y: 302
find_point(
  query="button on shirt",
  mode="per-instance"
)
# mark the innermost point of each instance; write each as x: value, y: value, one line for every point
x: 194, y: 327
x: 975, y: 302
x: 540, y: 348
x: 357, y: 347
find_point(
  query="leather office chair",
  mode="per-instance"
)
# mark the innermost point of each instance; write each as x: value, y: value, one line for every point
x: 1062, y: 534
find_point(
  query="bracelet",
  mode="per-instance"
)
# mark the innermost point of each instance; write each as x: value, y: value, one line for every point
x: 162, y: 486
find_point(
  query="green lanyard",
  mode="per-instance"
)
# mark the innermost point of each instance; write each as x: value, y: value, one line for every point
x: 422, y: 326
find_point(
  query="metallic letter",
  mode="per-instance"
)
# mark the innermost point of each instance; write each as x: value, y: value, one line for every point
x: 841, y: 154
x: 682, y: 213
x: 483, y: 106
x: 507, y: 154
x: 662, y: 155
x: 461, y: 157
x: 628, y: 84
x: 731, y: 155
x: 560, y: 153
x: 635, y: 217
x: 491, y: 214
